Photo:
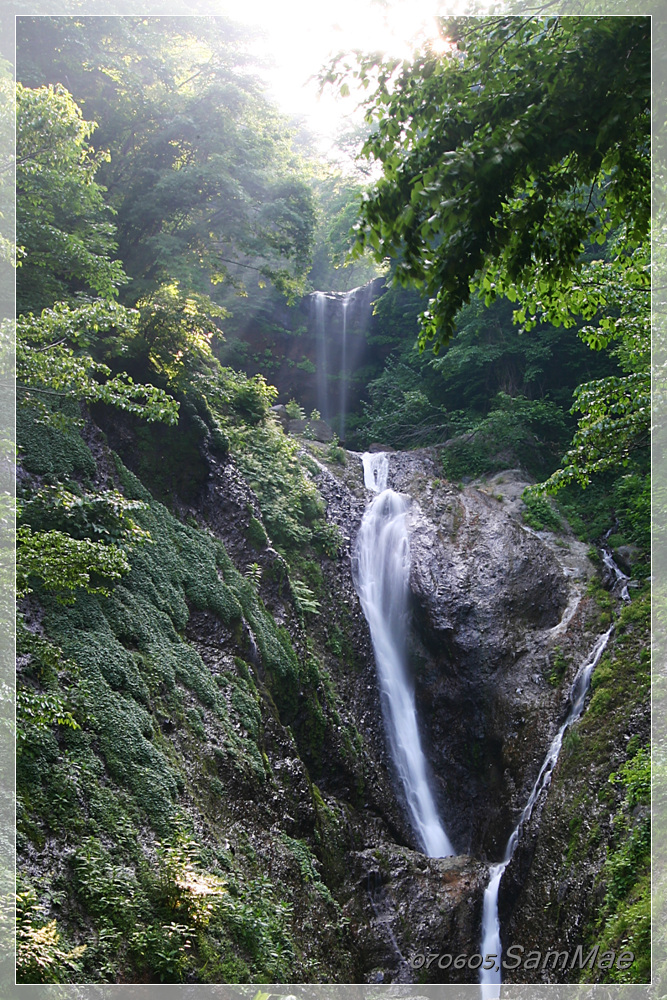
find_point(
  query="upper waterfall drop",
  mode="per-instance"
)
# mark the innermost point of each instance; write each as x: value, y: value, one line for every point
x: 376, y: 471
x: 339, y: 322
x: 381, y: 572
x: 343, y: 364
x: 320, y: 300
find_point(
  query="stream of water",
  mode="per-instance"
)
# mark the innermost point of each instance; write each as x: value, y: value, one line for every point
x: 621, y: 580
x: 343, y: 365
x: 320, y: 301
x: 490, y: 979
x: 381, y: 572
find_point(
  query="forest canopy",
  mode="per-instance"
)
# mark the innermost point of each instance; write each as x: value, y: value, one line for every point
x: 517, y: 164
x: 197, y: 165
x: 503, y: 158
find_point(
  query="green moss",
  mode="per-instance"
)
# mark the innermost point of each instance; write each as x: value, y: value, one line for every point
x: 575, y: 830
x: 161, y: 731
x: 256, y: 535
x: 600, y: 702
x: 630, y: 930
x: 591, y: 792
x: 307, y: 866
x: 292, y: 509
x: 602, y: 598
x: 539, y: 512
x: 168, y: 460
x: 558, y: 665
x: 571, y: 743
x: 53, y: 448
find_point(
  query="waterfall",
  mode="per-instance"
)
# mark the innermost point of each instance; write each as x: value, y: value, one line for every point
x: 621, y: 580
x: 320, y: 300
x: 381, y: 572
x: 343, y: 365
x: 338, y: 323
x: 490, y: 979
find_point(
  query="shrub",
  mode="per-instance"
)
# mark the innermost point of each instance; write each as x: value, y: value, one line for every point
x: 295, y: 411
x: 538, y: 512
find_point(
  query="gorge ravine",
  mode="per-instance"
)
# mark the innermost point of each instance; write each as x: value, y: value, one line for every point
x: 495, y: 612
x: 381, y: 569
x: 566, y: 589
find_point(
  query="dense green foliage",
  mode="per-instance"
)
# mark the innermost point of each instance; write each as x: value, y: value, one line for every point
x: 95, y: 763
x: 332, y: 267
x: 488, y: 367
x: 53, y: 361
x: 114, y: 701
x: 502, y: 158
x: 173, y: 691
x: 512, y: 167
x: 65, y: 232
x: 204, y: 184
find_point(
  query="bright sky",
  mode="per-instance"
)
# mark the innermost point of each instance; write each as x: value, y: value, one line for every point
x: 301, y: 36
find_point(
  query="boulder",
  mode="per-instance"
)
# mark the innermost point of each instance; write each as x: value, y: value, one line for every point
x: 627, y: 557
x: 405, y: 908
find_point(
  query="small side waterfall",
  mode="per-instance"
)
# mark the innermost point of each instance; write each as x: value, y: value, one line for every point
x: 381, y: 570
x: 491, y: 945
x: 620, y: 578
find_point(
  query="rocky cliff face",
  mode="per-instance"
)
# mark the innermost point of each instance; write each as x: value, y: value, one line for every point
x: 501, y: 622
x: 494, y: 604
x: 580, y: 878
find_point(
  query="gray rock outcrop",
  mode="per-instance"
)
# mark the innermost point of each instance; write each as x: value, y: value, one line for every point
x: 494, y: 605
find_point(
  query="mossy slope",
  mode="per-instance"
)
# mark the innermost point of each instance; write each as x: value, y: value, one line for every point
x: 167, y: 819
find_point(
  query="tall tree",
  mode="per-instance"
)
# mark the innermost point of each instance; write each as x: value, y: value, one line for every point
x: 502, y: 161
x: 501, y: 158
x: 201, y: 172
x: 65, y: 232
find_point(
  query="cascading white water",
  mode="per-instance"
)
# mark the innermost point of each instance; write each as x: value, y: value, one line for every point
x: 343, y: 365
x: 620, y: 578
x: 320, y: 300
x: 381, y: 570
x: 339, y: 321
x: 376, y: 471
x: 490, y: 979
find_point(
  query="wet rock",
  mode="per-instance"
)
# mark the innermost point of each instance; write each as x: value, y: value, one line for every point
x: 404, y: 907
x: 627, y: 557
x: 492, y: 600
x: 281, y: 414
x: 317, y: 430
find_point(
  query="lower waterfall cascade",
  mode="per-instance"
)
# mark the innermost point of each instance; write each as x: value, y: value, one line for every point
x: 381, y: 572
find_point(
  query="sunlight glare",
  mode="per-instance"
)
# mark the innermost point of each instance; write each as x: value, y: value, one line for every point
x: 299, y: 38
